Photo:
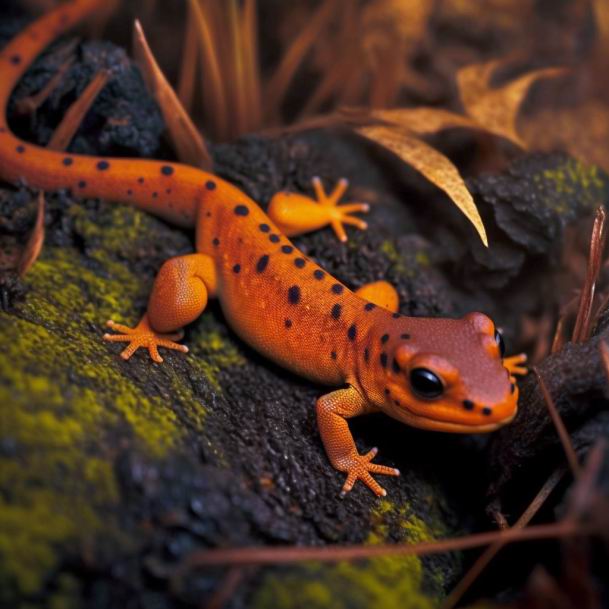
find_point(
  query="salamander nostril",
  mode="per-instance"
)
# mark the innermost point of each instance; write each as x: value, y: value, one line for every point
x: 468, y: 405
x: 512, y: 388
x: 486, y: 411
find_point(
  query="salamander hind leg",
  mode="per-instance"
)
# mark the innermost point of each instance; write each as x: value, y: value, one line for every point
x: 178, y: 297
x: 296, y: 214
x: 333, y: 410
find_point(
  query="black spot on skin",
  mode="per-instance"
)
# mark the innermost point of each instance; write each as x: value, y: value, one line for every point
x: 68, y: 161
x: 208, y: 214
x: 352, y: 332
x: 405, y: 336
x: 262, y: 263
x: 288, y: 323
x: 210, y: 185
x: 486, y: 411
x: 216, y: 241
x: 140, y: 180
x: 155, y: 195
x: 336, y: 309
x: 333, y: 355
x: 265, y: 228
x: 337, y: 288
x: 387, y: 392
x: 512, y: 388
x: 384, y: 338
x: 397, y: 402
x: 15, y: 59
x: 237, y: 268
x: 287, y: 249
x: 366, y: 355
x: 300, y: 262
x: 168, y: 191
x: 396, y: 316
x: 468, y: 405
x: 167, y: 170
x: 369, y: 306
x: 20, y: 149
x: 103, y: 165
x: 83, y: 184
x: 294, y: 295
x: 319, y: 275
x: 274, y: 238
x: 241, y: 210
x: 396, y: 367
x: 2, y: 130
x: 383, y: 359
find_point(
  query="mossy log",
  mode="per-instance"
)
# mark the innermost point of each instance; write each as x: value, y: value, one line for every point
x: 114, y: 472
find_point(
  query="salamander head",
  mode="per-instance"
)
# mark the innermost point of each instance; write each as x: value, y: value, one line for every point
x: 448, y: 375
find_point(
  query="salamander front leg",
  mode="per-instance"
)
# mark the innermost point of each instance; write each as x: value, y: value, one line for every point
x: 178, y: 297
x: 296, y: 214
x: 515, y: 364
x: 380, y: 293
x: 333, y: 410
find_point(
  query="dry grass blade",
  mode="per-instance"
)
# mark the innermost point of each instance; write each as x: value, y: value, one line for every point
x: 433, y: 165
x: 33, y: 247
x: 604, y: 349
x: 565, y: 439
x: 62, y: 136
x: 188, y: 65
x: 293, y: 554
x: 496, y: 110
x: 581, y: 331
x: 214, y: 84
x: 189, y: 144
x: 236, y: 81
x: 487, y: 556
x: 251, y: 64
x: 293, y: 57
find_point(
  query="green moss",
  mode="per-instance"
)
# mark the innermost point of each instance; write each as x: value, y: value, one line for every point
x: 379, y: 583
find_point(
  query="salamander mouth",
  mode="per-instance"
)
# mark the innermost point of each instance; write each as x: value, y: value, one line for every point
x: 451, y: 420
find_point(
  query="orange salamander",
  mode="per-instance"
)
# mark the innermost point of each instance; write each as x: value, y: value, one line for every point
x: 437, y: 374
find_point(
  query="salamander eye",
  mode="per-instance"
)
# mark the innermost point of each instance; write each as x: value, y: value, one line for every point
x: 425, y: 383
x: 500, y: 342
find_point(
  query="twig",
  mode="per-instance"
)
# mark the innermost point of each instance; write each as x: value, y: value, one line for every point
x: 487, y: 556
x: 583, y: 489
x: 226, y: 589
x: 293, y: 554
x: 565, y: 439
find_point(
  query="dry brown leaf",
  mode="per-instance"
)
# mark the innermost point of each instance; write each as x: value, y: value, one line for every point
x: 496, y: 110
x: 433, y: 165
x: 424, y: 120
x: 189, y: 144
x: 33, y: 247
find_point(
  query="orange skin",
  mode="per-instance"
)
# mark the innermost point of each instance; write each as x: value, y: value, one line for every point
x: 277, y: 300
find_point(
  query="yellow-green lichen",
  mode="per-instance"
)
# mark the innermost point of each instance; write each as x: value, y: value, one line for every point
x: 379, y: 583
x: 572, y: 179
x: 68, y: 403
